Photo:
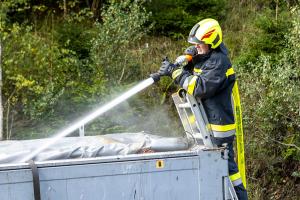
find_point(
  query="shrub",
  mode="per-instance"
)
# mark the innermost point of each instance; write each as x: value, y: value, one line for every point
x: 271, y: 96
x: 177, y: 17
x: 113, y: 49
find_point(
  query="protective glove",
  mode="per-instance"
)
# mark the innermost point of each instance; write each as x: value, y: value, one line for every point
x: 155, y: 76
x: 166, y: 68
x: 191, y: 52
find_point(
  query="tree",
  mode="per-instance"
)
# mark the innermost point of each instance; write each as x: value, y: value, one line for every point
x: 1, y: 107
x: 177, y: 17
x: 122, y: 27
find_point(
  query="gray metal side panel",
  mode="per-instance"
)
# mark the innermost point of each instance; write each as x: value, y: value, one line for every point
x: 191, y: 177
x: 212, y: 172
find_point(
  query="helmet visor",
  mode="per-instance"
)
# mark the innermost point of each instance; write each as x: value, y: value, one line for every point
x: 194, y: 40
x: 192, y: 36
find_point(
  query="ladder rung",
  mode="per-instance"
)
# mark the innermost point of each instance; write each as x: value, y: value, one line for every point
x: 197, y: 135
x: 184, y: 105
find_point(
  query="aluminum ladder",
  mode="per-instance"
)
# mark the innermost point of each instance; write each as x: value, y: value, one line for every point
x: 195, y: 124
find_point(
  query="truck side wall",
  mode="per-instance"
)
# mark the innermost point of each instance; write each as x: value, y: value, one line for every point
x: 176, y: 177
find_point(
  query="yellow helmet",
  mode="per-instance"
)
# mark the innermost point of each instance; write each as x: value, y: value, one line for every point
x: 207, y: 31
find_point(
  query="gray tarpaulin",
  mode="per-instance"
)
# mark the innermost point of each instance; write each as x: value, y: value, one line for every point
x: 90, y: 146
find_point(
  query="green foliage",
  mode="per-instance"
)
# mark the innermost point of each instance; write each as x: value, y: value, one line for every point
x: 59, y: 62
x: 52, y: 72
x: 74, y: 35
x: 177, y: 17
x: 5, y: 7
x: 259, y: 35
x: 47, y: 73
x: 113, y: 47
x: 271, y: 96
x: 253, y: 31
x: 273, y: 91
x: 35, y: 71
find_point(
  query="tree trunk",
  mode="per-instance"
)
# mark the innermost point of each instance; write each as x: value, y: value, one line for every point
x: 65, y: 8
x: 96, y: 4
x: 277, y: 7
x: 1, y: 107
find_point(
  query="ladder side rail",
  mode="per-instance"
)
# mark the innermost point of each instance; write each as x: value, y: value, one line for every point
x: 232, y: 192
x: 201, y: 122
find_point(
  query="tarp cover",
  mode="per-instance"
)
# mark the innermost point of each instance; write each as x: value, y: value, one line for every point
x: 90, y: 146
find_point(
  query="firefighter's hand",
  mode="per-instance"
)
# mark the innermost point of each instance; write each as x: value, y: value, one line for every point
x: 166, y: 68
x: 183, y: 60
x: 155, y: 76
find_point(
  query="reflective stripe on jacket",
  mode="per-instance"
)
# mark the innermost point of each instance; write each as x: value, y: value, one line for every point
x: 212, y: 80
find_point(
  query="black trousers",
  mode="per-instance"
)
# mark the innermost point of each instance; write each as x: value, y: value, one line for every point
x: 240, y: 190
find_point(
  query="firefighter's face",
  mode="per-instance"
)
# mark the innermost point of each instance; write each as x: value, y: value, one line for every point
x: 202, y: 48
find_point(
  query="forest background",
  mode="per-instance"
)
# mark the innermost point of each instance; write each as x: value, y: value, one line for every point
x: 61, y: 59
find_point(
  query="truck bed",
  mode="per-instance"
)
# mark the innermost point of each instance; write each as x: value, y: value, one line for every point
x: 177, y: 175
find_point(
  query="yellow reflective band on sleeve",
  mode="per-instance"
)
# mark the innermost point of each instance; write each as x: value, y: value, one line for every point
x: 229, y: 71
x: 176, y: 73
x: 239, y: 132
x: 192, y: 85
x: 223, y: 128
x: 198, y: 70
x: 235, y: 176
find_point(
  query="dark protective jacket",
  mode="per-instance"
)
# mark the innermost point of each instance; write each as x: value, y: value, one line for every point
x: 211, y: 78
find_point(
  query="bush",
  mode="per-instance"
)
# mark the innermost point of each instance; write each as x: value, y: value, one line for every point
x: 53, y: 72
x: 177, y: 17
x: 271, y: 96
x: 113, y: 48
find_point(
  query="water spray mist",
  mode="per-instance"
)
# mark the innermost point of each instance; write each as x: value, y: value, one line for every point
x: 134, y: 90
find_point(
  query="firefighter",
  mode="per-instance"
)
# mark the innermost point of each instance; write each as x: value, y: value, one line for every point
x: 209, y: 76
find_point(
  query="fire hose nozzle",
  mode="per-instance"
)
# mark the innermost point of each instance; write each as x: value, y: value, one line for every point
x: 155, y: 76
